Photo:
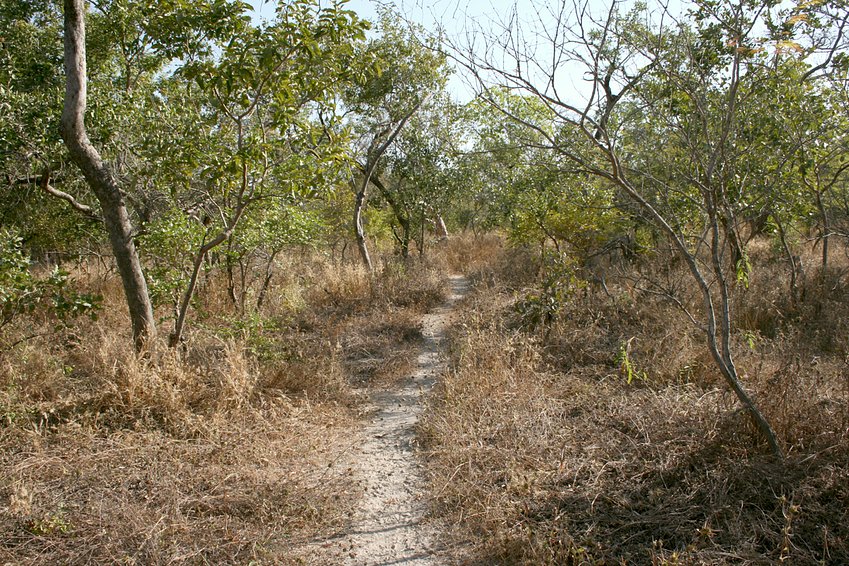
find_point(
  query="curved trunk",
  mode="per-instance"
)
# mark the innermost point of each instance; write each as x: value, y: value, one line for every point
x: 362, y: 246
x: 99, y: 178
x: 441, y: 229
x: 371, y: 164
x: 721, y: 355
x: 177, y: 335
x: 402, y: 218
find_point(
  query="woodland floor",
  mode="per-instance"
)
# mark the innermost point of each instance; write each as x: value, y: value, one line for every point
x: 378, y: 419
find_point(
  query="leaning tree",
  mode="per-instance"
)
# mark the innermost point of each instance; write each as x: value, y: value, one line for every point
x: 655, y: 106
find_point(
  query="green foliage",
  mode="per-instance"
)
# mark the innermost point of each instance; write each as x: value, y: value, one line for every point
x: 399, y: 72
x: 258, y: 333
x: 567, y: 210
x: 167, y: 247
x: 539, y: 308
x: 626, y: 365
x: 536, y: 195
x: 51, y: 524
x: 751, y: 339
x: 419, y: 176
x: 22, y: 293
x: 403, y: 88
x: 280, y: 225
x: 743, y: 269
x: 216, y: 125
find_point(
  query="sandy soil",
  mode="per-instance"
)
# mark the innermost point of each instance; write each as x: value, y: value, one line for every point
x: 390, y: 526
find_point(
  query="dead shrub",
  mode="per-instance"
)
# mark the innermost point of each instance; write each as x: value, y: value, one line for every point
x: 467, y: 253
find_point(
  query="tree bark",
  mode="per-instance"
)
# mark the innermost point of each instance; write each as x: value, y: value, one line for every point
x: 441, y: 229
x: 266, y: 282
x: 791, y: 259
x: 403, y: 219
x: 583, y: 117
x: 358, y: 224
x: 826, y: 228
x: 177, y: 335
x: 231, y: 277
x: 100, y: 179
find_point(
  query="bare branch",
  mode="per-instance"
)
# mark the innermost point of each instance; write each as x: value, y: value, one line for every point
x: 87, y: 211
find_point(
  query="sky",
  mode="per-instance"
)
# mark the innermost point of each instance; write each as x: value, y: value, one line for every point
x: 459, y: 18
x: 453, y: 16
x: 451, y: 13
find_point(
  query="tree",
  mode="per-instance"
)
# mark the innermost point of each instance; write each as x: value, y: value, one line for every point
x: 32, y: 169
x: 253, y: 110
x: 409, y: 74
x: 100, y: 179
x: 647, y: 85
x: 540, y: 198
x: 134, y: 42
x: 259, y: 101
x: 823, y: 165
x: 417, y: 178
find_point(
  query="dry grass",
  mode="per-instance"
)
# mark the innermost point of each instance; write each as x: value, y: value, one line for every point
x: 541, y: 453
x: 468, y: 254
x: 227, y: 451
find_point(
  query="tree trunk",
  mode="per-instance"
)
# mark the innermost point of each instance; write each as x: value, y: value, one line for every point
x: 403, y: 219
x: 422, y: 235
x: 358, y: 226
x: 266, y: 282
x: 441, y: 230
x: 99, y: 178
x: 722, y: 356
x: 826, y: 228
x: 177, y: 335
x: 231, y: 278
x: 368, y: 171
x: 794, y: 264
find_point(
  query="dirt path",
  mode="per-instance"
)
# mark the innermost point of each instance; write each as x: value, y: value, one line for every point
x: 389, y: 526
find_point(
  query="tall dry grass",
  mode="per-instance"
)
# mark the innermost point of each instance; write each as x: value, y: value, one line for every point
x: 226, y: 450
x: 541, y: 452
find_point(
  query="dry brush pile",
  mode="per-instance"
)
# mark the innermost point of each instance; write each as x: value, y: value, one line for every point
x: 602, y: 434
x: 222, y: 451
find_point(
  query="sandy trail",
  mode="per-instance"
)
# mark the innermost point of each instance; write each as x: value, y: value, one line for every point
x: 389, y: 526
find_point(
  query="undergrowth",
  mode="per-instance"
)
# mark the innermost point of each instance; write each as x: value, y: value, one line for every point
x: 600, y: 433
x: 225, y: 450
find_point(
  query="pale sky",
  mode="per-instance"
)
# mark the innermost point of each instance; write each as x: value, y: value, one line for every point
x: 450, y: 15
x: 456, y: 18
x: 459, y: 18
